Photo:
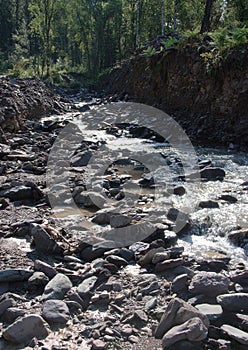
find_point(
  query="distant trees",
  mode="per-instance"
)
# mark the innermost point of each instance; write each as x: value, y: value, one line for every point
x: 44, y: 36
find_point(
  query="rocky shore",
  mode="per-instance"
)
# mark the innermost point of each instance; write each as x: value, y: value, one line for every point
x: 58, y: 292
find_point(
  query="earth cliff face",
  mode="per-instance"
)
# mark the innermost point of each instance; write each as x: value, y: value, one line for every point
x: 209, y: 100
x: 21, y: 99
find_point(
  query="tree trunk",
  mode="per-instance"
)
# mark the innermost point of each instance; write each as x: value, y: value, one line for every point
x: 206, y: 24
x: 138, y: 23
x: 162, y: 19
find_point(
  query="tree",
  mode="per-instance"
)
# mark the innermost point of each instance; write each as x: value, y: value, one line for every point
x: 138, y: 22
x: 205, y: 26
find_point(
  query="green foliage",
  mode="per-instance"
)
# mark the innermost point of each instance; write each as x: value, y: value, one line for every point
x: 150, y: 51
x: 228, y: 38
x: 170, y: 43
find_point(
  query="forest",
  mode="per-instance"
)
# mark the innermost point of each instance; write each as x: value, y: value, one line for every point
x: 45, y: 38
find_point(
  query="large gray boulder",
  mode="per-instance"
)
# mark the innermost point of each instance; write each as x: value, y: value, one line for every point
x: 234, y: 302
x: 192, y: 330
x: 209, y: 283
x: 57, y: 287
x: 26, y: 328
x: 176, y: 313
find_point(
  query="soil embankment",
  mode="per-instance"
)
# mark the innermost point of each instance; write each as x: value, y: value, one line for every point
x: 208, y: 97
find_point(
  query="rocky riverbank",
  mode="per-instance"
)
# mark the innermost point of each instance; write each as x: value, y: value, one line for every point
x: 207, y: 95
x: 57, y: 292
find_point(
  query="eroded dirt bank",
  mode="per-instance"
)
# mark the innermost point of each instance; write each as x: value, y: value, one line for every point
x: 208, y: 99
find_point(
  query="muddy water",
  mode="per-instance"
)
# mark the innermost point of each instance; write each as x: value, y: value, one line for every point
x: 210, y: 227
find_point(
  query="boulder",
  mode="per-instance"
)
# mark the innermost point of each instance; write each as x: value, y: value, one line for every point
x: 120, y: 220
x: 236, y: 334
x: 86, y: 286
x: 212, y: 173
x: 209, y: 283
x: 234, y: 302
x: 176, y: 313
x: 192, y: 330
x: 47, y: 269
x: 43, y: 241
x: 57, y: 287
x: 26, y: 328
x: 55, y: 311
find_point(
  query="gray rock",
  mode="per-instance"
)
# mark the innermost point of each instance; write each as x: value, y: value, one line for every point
x: 57, y: 287
x: 98, y: 345
x: 236, y: 334
x: 55, y: 311
x: 238, y: 237
x: 148, y: 257
x: 168, y: 264
x: 151, y: 304
x: 26, y: 328
x: 192, y: 330
x: 11, y: 314
x: 43, y: 241
x: 209, y: 283
x: 116, y: 260
x: 212, y: 173
x: 18, y: 193
x: 212, y: 311
x: 178, y: 312
x: 234, y: 302
x: 120, y: 220
x: 209, y: 204
x: 15, y: 275
x: 159, y: 257
x: 180, y: 282
x: 47, y: 269
x: 81, y: 159
x: 38, y: 279
x: 90, y: 199
x: 5, y: 304
x: 86, y: 286
x: 90, y: 253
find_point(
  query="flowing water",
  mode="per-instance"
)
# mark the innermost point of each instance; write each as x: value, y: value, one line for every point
x: 208, y: 234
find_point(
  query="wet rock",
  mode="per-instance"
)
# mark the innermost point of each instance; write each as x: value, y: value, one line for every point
x: 14, y: 275
x: 47, y: 269
x: 212, y: 173
x: 228, y: 198
x: 236, y: 334
x: 192, y: 330
x: 178, y: 312
x: 89, y: 199
x: 120, y: 220
x: 87, y: 286
x: 238, y: 237
x: 81, y: 159
x: 209, y: 204
x: 175, y: 214
x: 241, y: 278
x: 233, y: 302
x: 57, y: 287
x: 168, y: 264
x: 209, y: 283
x: 26, y: 328
x: 55, y: 311
x: 179, y: 190
x: 18, y: 193
x: 43, y: 241
x: 4, y: 203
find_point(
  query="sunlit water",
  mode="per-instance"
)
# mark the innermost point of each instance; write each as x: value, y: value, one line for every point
x: 208, y: 235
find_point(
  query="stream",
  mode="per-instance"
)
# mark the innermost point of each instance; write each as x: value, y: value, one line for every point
x: 207, y: 237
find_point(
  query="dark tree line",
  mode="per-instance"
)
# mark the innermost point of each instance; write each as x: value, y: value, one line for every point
x: 91, y: 35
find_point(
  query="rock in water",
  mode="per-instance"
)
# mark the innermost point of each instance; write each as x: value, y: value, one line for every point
x: 26, y: 328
